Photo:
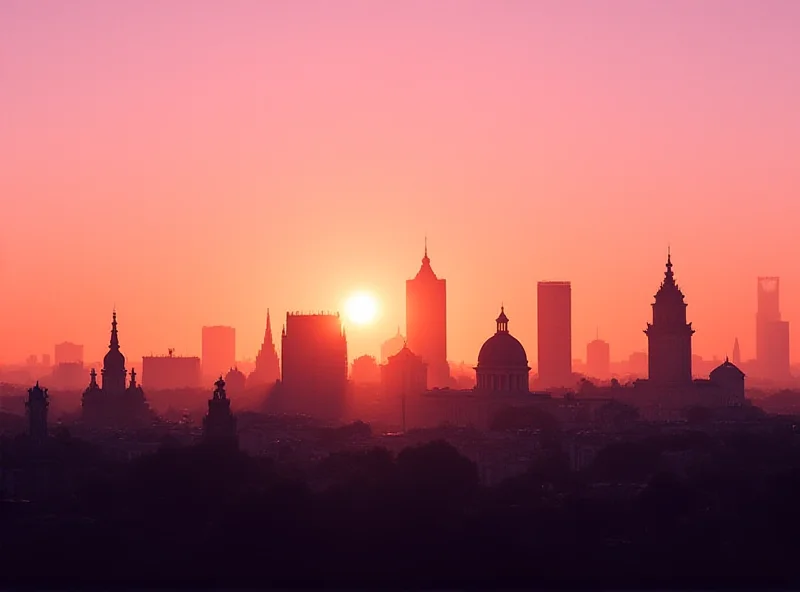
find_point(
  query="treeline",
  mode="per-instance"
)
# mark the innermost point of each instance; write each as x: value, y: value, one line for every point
x: 199, y: 517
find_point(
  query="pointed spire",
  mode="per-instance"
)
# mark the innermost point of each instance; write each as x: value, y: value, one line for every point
x: 93, y: 378
x: 133, y: 377
x: 114, y: 344
x: 425, y: 259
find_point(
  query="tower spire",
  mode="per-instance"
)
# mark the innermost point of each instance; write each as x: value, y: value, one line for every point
x: 114, y: 343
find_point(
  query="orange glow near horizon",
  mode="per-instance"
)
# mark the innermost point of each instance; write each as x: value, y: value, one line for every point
x: 198, y: 167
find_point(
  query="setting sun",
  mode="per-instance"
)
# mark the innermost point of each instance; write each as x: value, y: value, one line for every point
x: 361, y: 308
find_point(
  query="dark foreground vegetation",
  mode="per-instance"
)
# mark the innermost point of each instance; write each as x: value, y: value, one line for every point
x: 199, y: 517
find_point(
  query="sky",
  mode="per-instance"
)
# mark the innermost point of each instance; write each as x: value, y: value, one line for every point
x: 195, y: 162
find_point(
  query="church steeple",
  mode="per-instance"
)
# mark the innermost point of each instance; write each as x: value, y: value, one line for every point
x: 114, y: 344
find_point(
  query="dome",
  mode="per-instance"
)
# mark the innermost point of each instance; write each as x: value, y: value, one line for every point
x: 236, y: 380
x: 114, y: 359
x: 502, y: 349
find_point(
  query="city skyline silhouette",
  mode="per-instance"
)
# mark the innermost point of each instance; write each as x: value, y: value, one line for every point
x: 197, y: 169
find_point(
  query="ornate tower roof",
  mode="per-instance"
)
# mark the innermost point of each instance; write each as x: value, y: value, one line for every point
x: 114, y: 358
x: 425, y: 270
x: 669, y: 287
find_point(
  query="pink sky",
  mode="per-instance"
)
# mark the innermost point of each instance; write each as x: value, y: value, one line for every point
x: 195, y: 162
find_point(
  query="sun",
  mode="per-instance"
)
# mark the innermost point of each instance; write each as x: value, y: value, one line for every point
x: 361, y: 308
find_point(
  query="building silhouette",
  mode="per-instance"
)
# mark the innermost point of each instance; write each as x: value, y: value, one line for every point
x: 772, y: 333
x: 365, y: 370
x: 36, y: 407
x: 554, y: 319
x: 219, y: 425
x: 737, y: 354
x: 218, y: 350
x: 68, y: 353
x: 426, y: 321
x: 392, y: 345
x: 502, y: 362
x: 112, y: 404
x: 314, y: 357
x: 236, y: 381
x: 404, y: 373
x: 598, y: 359
x: 669, y: 336
x: 170, y: 372
x: 268, y: 369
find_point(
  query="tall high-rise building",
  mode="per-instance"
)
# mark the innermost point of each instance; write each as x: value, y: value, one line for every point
x: 737, y: 354
x: 772, y: 333
x: 268, y: 369
x: 426, y: 322
x: 669, y: 336
x: 598, y: 359
x: 219, y: 350
x: 314, y: 359
x: 554, y: 315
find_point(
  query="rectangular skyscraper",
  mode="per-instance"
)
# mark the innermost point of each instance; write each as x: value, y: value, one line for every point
x: 772, y: 333
x: 314, y: 360
x: 554, y: 316
x: 426, y: 322
x: 219, y: 350
x: 598, y: 359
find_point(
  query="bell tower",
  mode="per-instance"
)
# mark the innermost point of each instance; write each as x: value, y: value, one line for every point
x: 669, y: 336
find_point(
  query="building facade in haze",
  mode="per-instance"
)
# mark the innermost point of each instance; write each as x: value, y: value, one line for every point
x: 314, y: 359
x: 554, y: 319
x: 598, y: 359
x: 160, y: 373
x: 219, y: 350
x: 68, y: 353
x: 392, y: 345
x: 426, y: 322
x: 669, y: 336
x: 772, y: 333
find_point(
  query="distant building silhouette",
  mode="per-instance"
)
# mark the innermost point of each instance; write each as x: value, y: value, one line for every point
x: 598, y: 359
x: 114, y: 404
x: 554, y: 319
x: 502, y: 362
x: 170, y: 372
x: 737, y: 354
x: 314, y: 357
x: 68, y: 353
x: 37, y: 406
x: 404, y: 373
x: 219, y: 350
x: 236, y: 381
x: 669, y: 336
x: 365, y: 370
x: 268, y: 369
x: 772, y: 333
x: 426, y: 321
x: 219, y: 425
x: 392, y: 345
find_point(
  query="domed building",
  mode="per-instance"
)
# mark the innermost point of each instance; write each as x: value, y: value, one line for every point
x: 502, y: 362
x: 236, y: 380
x: 113, y: 404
